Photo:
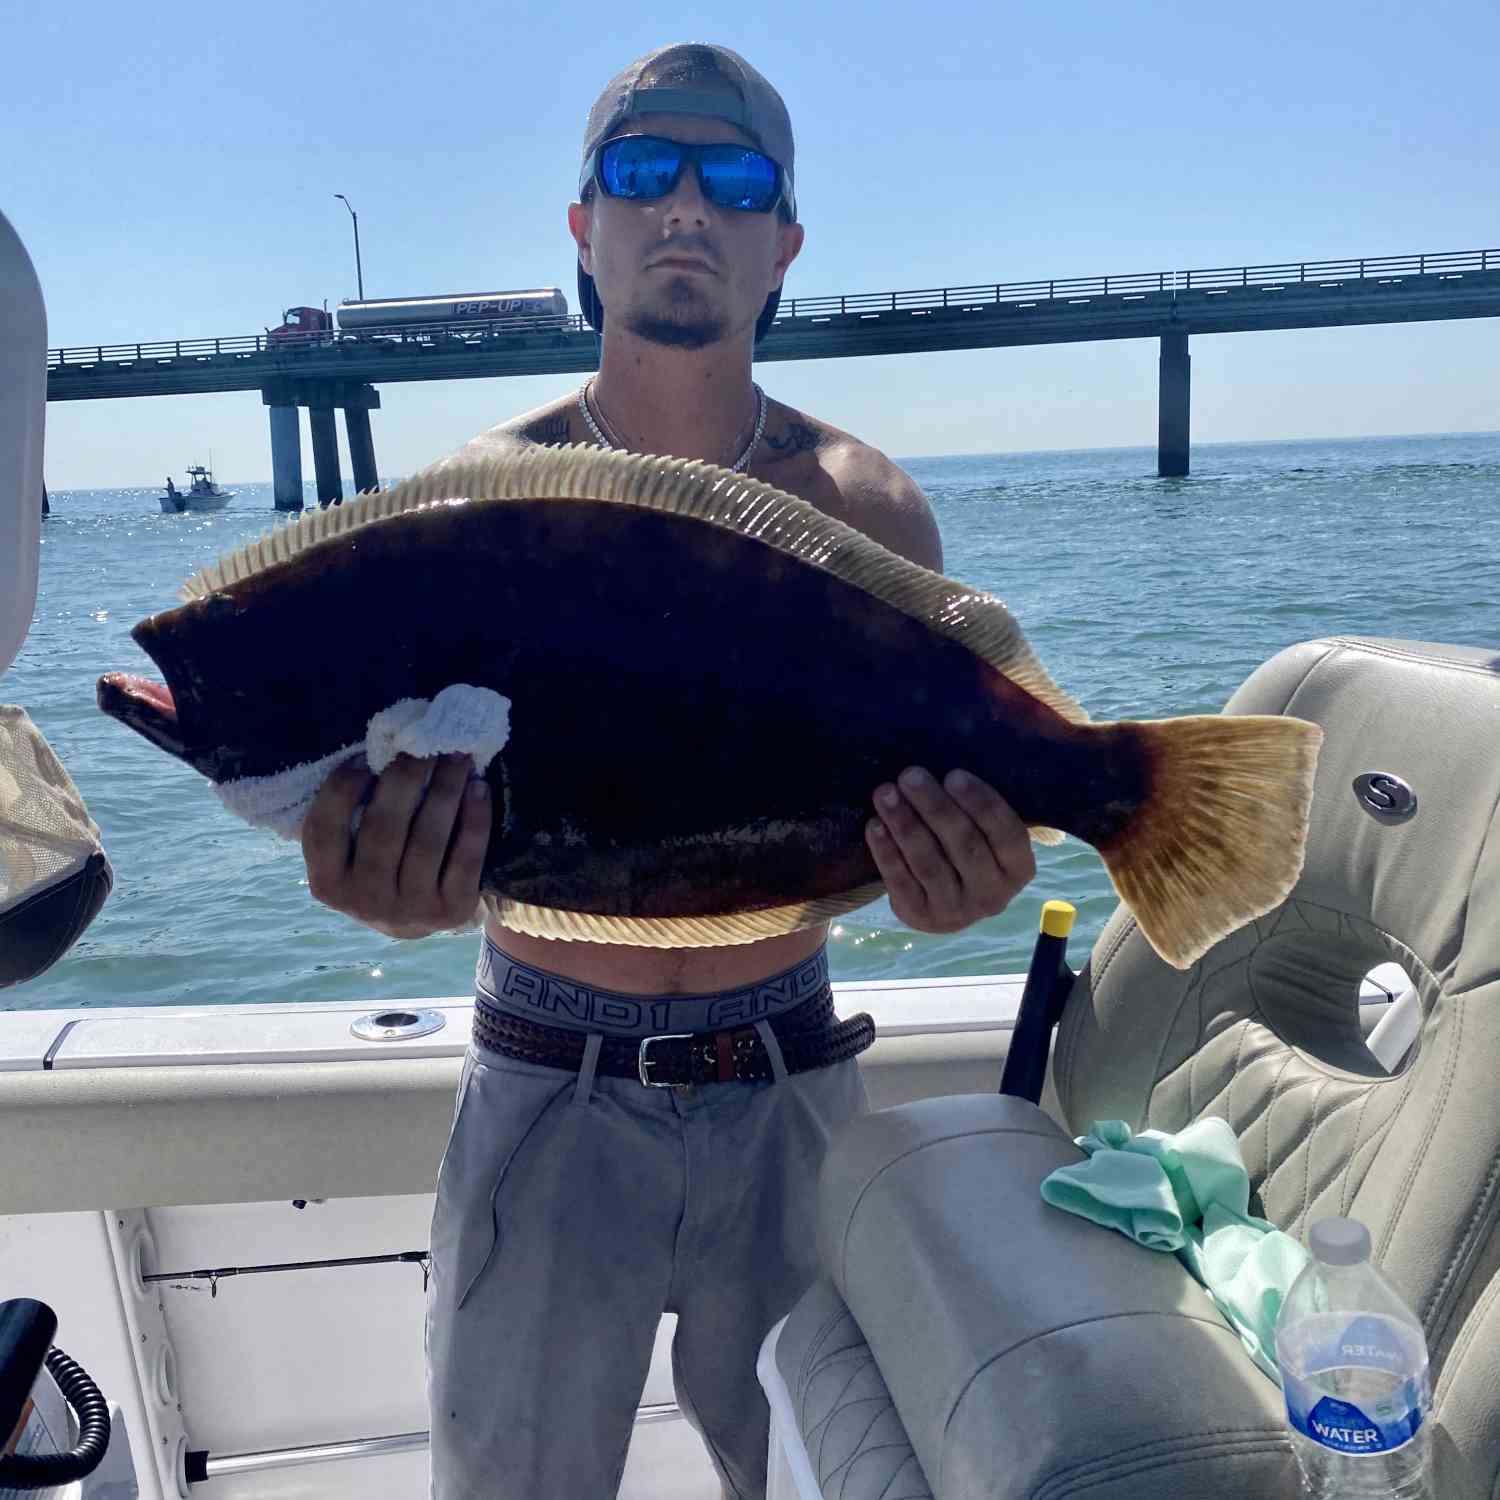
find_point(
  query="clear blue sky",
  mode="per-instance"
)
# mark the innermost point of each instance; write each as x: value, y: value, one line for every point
x: 171, y: 169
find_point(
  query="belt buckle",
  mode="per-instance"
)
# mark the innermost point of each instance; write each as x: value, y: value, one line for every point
x: 643, y: 1062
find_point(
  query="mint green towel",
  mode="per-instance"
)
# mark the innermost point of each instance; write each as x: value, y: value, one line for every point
x: 1188, y: 1193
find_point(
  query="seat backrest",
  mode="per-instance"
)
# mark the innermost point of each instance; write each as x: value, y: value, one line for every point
x: 1264, y: 1030
x: 23, y: 407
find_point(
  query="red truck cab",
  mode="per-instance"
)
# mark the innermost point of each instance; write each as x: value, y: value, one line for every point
x: 301, y: 321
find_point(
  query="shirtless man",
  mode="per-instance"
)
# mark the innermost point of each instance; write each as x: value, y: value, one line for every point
x: 579, y: 1198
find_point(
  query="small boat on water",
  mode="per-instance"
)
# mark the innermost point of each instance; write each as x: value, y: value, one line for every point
x: 201, y: 494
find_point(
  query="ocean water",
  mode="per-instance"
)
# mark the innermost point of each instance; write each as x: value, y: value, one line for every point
x: 1144, y: 597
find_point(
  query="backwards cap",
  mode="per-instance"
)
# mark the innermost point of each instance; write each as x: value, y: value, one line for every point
x: 696, y: 78
x: 692, y: 78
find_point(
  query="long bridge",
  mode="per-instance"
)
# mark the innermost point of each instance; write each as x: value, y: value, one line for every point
x: 330, y: 370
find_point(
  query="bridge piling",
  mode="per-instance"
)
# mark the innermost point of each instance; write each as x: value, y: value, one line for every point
x: 361, y: 449
x: 325, y: 446
x: 286, y: 457
x: 1174, y: 391
x: 284, y: 395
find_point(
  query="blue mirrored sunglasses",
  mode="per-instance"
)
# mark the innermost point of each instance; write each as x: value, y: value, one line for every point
x: 643, y: 167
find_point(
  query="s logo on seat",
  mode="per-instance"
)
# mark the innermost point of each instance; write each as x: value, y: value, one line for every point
x: 1387, y: 798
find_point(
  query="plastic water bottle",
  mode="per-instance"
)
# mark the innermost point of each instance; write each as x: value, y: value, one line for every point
x: 1354, y: 1372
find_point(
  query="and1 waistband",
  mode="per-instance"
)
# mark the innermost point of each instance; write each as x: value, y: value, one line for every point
x: 552, y: 1000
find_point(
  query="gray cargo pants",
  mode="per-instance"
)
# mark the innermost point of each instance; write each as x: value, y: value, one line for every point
x: 573, y: 1210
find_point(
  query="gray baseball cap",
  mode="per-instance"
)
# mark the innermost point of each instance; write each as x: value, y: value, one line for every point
x: 696, y: 78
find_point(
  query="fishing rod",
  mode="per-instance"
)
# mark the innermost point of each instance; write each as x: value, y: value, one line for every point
x: 1048, y: 981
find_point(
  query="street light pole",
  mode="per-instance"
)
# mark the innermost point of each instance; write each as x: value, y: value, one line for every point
x: 358, y: 269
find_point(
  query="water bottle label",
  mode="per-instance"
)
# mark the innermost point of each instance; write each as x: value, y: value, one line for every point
x: 1349, y: 1355
x: 1345, y: 1428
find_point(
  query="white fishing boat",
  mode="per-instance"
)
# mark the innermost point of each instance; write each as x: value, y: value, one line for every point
x: 202, y: 493
x: 227, y: 1207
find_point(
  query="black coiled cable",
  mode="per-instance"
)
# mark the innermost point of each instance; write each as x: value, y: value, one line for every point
x: 40, y: 1471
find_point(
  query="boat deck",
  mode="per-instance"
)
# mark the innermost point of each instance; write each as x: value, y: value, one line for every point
x: 147, y: 1143
x: 161, y: 1141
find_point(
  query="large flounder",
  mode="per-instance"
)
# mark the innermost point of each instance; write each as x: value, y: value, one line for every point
x: 707, y: 679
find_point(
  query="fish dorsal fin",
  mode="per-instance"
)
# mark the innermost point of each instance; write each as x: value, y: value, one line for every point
x: 688, y: 487
x: 284, y: 542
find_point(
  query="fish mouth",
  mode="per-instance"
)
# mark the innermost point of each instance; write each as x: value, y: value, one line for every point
x: 147, y: 707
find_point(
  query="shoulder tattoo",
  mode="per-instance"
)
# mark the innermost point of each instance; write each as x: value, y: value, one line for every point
x: 548, y: 430
x: 797, y: 437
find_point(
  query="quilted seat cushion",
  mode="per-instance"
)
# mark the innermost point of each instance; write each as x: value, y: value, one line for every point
x: 849, y: 1426
x: 1030, y: 1353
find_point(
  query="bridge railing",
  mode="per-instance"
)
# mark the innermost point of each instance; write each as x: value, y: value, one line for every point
x: 1058, y: 290
x: 1374, y: 268
x: 1078, y: 288
x: 304, y: 339
x: 1131, y: 286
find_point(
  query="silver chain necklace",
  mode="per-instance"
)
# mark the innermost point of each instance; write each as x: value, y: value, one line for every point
x: 611, y: 442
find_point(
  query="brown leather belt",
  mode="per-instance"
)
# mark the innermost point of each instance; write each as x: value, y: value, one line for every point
x: 809, y: 1035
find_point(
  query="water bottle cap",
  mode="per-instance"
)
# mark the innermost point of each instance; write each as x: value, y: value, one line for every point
x: 1339, y: 1242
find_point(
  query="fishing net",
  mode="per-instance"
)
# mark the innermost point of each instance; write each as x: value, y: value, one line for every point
x: 54, y: 875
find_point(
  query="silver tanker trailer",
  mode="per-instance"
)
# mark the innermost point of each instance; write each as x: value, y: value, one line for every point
x: 461, y: 307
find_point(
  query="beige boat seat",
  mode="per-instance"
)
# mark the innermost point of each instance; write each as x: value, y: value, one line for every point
x: 1002, y: 1348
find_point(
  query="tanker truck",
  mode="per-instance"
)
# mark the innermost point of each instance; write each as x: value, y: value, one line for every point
x: 405, y: 315
x: 461, y: 307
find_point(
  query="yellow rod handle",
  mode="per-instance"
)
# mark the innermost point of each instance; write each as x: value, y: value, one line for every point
x: 1058, y: 918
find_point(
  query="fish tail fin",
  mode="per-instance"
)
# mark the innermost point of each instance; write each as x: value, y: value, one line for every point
x: 1220, y: 838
